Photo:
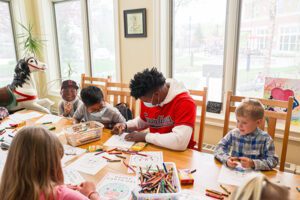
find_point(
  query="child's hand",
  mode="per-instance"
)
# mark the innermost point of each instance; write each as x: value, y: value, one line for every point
x: 118, y: 128
x: 232, y: 162
x: 86, y: 188
x: 68, y: 107
x: 246, y: 162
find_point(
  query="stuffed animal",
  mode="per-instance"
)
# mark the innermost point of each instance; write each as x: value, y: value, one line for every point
x: 22, y: 93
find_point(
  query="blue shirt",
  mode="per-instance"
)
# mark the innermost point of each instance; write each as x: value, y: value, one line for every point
x: 258, y: 146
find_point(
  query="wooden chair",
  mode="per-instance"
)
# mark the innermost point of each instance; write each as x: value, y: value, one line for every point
x: 270, y: 116
x: 120, y: 93
x: 93, y: 81
x: 200, y: 100
x: 118, y: 86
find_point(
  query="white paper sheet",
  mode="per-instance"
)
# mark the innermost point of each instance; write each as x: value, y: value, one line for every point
x: 71, y: 176
x: 116, y: 186
x: 48, y: 118
x: 24, y: 116
x: 118, y: 141
x: 70, y: 153
x: 3, y: 156
x: 234, y: 176
x: 89, y: 163
x: 191, y: 195
x: 153, y: 158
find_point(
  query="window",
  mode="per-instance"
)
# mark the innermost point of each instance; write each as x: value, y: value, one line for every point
x: 268, y: 46
x: 68, y: 18
x: 7, y: 47
x: 85, y: 38
x: 198, y: 44
x: 101, y: 28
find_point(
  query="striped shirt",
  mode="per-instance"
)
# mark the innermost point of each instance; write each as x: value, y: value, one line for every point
x: 258, y: 146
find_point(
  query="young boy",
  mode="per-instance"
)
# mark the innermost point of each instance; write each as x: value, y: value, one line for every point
x: 94, y: 108
x: 70, y: 102
x: 248, y: 144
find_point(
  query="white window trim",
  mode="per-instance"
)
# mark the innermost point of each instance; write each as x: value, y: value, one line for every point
x: 17, y: 12
x: 51, y: 54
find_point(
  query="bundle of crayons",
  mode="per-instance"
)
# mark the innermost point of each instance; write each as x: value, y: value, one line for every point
x: 157, y: 182
x: 216, y: 194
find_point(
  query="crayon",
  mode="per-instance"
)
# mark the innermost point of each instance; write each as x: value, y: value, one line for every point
x: 47, y: 123
x: 214, y: 195
x: 216, y: 192
x: 123, y: 157
x: 128, y: 166
x: 225, y: 189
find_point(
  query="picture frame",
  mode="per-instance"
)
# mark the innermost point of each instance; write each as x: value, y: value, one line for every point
x: 135, y: 23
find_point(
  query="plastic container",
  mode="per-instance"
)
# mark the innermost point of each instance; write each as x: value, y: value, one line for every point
x: 83, y: 133
x: 160, y: 196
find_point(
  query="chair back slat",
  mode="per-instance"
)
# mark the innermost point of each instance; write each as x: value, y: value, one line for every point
x: 200, y: 97
x: 120, y: 93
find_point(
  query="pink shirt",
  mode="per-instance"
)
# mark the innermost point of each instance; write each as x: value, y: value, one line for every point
x: 65, y: 193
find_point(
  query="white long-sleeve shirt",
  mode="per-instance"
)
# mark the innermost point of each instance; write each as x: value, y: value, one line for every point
x: 176, y: 113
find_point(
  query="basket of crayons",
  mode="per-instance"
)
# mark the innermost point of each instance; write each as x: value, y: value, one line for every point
x: 159, y: 184
x: 83, y: 133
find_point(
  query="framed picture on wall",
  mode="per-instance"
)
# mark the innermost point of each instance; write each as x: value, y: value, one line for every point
x: 135, y: 23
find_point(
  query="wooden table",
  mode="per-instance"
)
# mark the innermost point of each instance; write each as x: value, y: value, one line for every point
x: 207, y: 167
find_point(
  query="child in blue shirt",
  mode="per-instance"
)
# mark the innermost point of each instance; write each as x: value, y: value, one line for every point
x: 248, y: 144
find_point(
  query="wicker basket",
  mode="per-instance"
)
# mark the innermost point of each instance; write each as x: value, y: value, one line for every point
x: 83, y: 133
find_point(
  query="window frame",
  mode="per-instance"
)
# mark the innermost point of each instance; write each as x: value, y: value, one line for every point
x: 231, y: 45
x: 86, y: 35
x: 12, y: 18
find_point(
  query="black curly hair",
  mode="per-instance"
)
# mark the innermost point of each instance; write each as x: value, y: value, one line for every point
x: 146, y: 82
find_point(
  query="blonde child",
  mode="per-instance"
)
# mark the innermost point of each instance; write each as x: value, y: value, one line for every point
x: 249, y: 145
x: 33, y: 169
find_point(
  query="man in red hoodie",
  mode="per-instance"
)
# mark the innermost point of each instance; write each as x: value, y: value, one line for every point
x: 167, y: 110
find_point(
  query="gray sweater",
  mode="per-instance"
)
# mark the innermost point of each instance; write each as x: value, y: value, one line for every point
x: 110, y: 116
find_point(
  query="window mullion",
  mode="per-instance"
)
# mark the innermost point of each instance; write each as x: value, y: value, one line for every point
x: 86, y: 38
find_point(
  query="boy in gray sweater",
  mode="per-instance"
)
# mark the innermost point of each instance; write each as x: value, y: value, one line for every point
x: 94, y: 108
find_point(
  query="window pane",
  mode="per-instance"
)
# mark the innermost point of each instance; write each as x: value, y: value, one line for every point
x: 102, y: 36
x: 70, y: 39
x: 279, y: 56
x: 198, y: 44
x: 7, y: 46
